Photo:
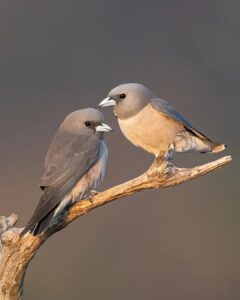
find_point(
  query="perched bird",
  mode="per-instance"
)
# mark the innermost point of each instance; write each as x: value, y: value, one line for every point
x: 75, y: 164
x: 153, y: 124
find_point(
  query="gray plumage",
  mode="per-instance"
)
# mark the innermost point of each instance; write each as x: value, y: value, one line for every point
x: 75, y: 163
x: 153, y: 124
x: 166, y: 108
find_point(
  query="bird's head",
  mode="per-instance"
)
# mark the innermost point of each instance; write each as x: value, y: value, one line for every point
x: 127, y: 99
x: 86, y: 121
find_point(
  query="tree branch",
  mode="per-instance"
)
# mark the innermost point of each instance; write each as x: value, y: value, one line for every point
x: 16, y: 252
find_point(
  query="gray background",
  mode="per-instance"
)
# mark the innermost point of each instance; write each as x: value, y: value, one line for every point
x: 59, y: 56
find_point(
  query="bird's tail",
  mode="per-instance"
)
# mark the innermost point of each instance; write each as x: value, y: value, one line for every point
x: 218, y: 147
x: 211, y: 146
x: 37, y: 228
x: 44, y: 212
x: 193, y: 140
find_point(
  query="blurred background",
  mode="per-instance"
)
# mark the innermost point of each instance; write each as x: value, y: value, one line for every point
x: 59, y: 56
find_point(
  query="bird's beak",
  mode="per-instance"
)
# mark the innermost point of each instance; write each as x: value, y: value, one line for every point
x: 103, y: 128
x: 107, y: 102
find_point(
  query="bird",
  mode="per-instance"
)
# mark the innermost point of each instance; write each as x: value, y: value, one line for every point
x: 74, y: 165
x: 153, y: 124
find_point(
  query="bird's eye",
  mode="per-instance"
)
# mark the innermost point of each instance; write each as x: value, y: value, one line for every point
x: 88, y: 123
x: 122, y: 96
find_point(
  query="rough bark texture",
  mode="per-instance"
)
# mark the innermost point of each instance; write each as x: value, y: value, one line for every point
x: 16, y: 252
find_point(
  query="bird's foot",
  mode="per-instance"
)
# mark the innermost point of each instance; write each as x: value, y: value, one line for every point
x: 90, y: 195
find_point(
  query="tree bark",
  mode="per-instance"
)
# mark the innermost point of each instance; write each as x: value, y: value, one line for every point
x: 16, y: 252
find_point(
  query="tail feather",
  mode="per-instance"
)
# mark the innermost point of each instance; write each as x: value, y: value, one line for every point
x: 36, y: 228
x: 218, y: 147
x: 195, y: 140
x: 214, y: 147
x: 44, y: 211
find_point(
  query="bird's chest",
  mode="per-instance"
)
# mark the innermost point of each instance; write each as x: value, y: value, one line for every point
x: 149, y: 129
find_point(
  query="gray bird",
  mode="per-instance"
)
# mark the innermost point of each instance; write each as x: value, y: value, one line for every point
x: 75, y: 164
x: 153, y: 124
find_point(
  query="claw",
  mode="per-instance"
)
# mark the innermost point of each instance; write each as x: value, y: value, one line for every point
x: 90, y: 195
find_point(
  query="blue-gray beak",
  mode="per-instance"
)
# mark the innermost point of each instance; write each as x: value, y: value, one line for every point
x: 103, y: 127
x: 107, y: 102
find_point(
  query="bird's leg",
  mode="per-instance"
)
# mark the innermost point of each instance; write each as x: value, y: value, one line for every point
x: 166, y: 156
x: 90, y: 195
x: 163, y: 161
x: 169, y: 154
x: 169, y: 159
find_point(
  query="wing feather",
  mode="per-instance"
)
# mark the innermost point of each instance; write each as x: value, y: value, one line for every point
x: 68, y: 159
x: 166, y: 108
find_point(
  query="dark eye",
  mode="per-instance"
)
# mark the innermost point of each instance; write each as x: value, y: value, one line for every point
x: 122, y: 96
x: 87, y: 123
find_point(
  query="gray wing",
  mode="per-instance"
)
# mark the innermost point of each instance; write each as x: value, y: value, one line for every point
x: 68, y: 159
x: 167, y: 109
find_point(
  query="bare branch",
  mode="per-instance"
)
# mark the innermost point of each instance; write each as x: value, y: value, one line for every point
x: 16, y: 252
x: 158, y: 176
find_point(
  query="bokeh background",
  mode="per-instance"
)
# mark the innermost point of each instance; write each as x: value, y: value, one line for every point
x: 58, y: 56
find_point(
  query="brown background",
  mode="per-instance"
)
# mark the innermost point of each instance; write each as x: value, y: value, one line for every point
x: 58, y: 56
